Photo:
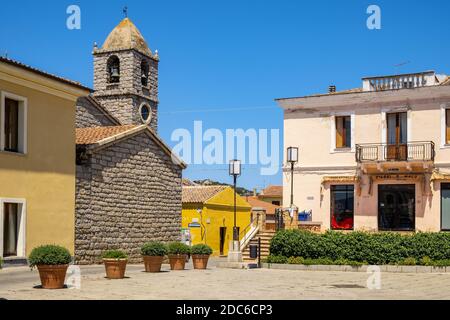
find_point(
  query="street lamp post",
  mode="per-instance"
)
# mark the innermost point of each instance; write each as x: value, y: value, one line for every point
x: 292, y: 158
x: 235, y: 171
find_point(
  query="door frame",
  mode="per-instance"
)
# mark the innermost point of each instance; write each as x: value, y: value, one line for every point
x: 378, y: 206
x: 222, y: 244
x: 384, y: 127
x: 440, y: 200
x: 22, y: 218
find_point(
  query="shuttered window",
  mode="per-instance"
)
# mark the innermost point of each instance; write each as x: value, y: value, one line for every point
x: 11, y: 125
x: 447, y: 126
x: 343, y: 132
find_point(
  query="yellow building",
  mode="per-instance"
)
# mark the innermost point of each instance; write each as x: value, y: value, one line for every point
x: 37, y: 159
x: 208, y: 216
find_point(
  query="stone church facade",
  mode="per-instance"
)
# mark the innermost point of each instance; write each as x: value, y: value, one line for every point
x: 129, y: 184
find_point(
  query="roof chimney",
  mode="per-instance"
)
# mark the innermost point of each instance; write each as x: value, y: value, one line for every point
x: 332, y: 89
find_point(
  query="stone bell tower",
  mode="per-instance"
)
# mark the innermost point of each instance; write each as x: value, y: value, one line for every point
x: 126, y: 76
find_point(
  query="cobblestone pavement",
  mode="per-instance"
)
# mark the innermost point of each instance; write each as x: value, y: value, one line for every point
x: 217, y: 284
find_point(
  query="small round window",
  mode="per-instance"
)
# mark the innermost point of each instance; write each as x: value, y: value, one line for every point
x: 145, y: 113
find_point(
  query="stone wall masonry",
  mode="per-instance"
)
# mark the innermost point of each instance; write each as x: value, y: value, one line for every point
x: 90, y: 116
x: 126, y: 109
x: 129, y: 193
x: 130, y: 74
x: 123, y: 99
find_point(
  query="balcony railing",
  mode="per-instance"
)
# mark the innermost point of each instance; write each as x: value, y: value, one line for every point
x: 404, y: 81
x: 414, y: 151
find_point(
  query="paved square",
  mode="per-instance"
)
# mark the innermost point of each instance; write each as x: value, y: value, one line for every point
x: 217, y: 284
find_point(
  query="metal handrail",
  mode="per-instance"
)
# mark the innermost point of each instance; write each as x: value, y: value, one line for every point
x: 248, y: 228
x: 380, y: 152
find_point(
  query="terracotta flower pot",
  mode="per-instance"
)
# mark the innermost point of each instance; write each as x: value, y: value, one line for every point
x: 52, y: 276
x: 115, y: 268
x: 177, y: 261
x: 153, y: 264
x: 200, y: 261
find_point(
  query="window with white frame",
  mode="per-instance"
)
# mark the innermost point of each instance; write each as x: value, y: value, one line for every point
x: 12, y: 227
x: 342, y: 132
x: 13, y: 123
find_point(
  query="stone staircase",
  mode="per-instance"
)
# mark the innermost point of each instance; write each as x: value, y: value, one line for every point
x: 265, y: 236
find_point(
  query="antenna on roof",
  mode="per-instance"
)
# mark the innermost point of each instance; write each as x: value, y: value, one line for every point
x: 125, y: 11
x: 402, y: 64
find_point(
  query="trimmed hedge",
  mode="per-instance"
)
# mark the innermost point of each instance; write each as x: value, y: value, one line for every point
x: 114, y: 254
x: 175, y: 248
x: 201, y: 249
x: 154, y: 249
x: 49, y: 255
x: 362, y: 247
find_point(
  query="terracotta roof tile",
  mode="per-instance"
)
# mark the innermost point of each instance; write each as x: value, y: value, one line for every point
x: 273, y: 191
x: 256, y: 203
x: 200, y: 194
x: 93, y: 135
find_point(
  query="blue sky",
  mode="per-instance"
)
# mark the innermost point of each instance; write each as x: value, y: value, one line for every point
x: 218, y: 55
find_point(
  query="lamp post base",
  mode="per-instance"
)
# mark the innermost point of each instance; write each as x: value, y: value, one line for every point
x: 234, y: 253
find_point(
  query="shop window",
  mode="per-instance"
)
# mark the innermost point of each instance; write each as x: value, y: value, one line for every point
x: 342, y: 207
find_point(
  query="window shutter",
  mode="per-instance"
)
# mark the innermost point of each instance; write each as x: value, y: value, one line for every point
x: 447, y: 125
x: 11, y: 125
x: 339, y: 132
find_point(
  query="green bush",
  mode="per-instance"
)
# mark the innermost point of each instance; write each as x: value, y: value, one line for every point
x: 1, y: 262
x: 178, y: 248
x: 441, y: 263
x: 310, y: 262
x: 154, y: 249
x: 426, y: 261
x: 277, y: 259
x: 201, y: 249
x: 114, y: 254
x: 409, y: 262
x: 49, y: 255
x: 361, y: 247
x: 295, y: 260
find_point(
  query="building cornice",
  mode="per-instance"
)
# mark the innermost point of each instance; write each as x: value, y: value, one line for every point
x: 367, y: 99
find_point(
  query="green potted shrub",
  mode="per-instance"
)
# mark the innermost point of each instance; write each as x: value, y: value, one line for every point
x: 153, y: 253
x: 52, y: 262
x: 178, y: 253
x: 115, y: 262
x: 200, y: 255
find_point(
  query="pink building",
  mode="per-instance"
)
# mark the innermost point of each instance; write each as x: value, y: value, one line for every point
x: 373, y: 158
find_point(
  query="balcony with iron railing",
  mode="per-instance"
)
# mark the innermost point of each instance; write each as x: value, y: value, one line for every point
x: 423, y: 151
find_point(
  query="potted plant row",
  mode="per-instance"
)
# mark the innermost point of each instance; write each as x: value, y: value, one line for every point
x: 115, y: 262
x: 52, y: 262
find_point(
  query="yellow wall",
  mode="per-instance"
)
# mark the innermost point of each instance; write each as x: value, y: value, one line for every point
x: 219, y: 212
x: 45, y: 176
